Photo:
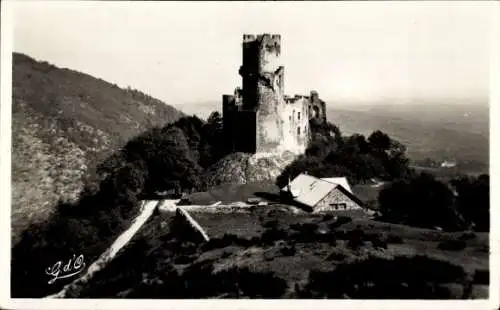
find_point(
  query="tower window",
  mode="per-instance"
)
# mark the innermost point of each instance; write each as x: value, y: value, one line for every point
x: 298, y: 131
x: 298, y: 116
x: 316, y: 111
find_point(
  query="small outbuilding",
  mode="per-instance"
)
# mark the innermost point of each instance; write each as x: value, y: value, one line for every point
x: 320, y: 195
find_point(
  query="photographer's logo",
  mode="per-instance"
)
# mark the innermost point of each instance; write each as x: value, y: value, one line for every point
x: 73, y: 267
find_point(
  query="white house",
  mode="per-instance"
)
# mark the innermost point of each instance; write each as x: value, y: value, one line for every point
x: 319, y: 195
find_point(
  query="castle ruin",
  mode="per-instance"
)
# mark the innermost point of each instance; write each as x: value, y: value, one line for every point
x: 259, y: 117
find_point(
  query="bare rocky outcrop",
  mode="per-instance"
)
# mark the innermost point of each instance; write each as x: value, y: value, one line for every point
x: 243, y: 168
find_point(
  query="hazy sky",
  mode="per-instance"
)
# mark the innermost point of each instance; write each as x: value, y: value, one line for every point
x: 187, y: 52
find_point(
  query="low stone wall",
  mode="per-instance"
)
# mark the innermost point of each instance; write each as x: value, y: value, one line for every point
x: 199, y: 232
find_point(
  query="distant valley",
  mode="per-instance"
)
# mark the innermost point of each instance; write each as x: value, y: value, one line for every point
x: 453, y: 132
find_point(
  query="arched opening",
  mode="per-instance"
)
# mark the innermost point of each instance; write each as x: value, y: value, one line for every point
x: 316, y: 112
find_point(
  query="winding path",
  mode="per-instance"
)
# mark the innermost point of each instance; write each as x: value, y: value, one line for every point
x: 147, y: 209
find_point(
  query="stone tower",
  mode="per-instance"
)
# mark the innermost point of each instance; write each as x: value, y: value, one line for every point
x: 262, y: 75
x: 259, y: 117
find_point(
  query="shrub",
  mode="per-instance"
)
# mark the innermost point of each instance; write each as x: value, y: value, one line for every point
x: 288, y: 250
x: 417, y: 277
x: 271, y: 235
x: 355, y: 238
x: 261, y: 284
x: 452, y: 245
x: 483, y: 248
x: 308, y: 232
x: 394, y: 239
x: 341, y: 220
x: 327, y: 217
x: 274, y: 213
x: 309, y: 227
x: 377, y: 241
x: 271, y: 224
x: 246, y: 242
x: 201, y: 281
x: 467, y: 236
x: 337, y: 256
x: 224, y: 241
x: 184, y: 259
x: 423, y: 195
x: 482, y: 277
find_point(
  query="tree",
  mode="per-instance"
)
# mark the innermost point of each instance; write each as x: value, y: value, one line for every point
x: 474, y: 200
x: 168, y: 157
x: 421, y: 201
x: 355, y: 157
x: 213, y: 146
x: 324, y: 131
x: 379, y: 141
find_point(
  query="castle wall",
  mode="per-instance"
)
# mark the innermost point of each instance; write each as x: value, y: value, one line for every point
x: 269, y: 127
x: 245, y: 131
x: 270, y: 132
x: 250, y: 71
x: 258, y: 118
x: 296, y: 122
x: 317, y: 107
x: 262, y: 75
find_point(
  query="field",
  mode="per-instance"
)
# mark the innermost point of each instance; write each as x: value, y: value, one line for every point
x: 266, y: 190
x: 265, y: 252
x: 416, y: 240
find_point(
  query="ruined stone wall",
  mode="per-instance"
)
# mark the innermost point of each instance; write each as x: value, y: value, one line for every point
x: 280, y: 123
x: 245, y: 135
x: 263, y: 81
x: 317, y: 107
x: 296, y: 124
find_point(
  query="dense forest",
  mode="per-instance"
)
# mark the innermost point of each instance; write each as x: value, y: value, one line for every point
x: 64, y: 123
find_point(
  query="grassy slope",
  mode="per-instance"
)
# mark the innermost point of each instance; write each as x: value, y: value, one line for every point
x: 241, y: 192
x: 64, y: 123
x: 153, y: 258
x: 152, y: 255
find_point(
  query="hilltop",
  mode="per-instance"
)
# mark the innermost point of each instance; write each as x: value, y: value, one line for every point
x: 71, y: 129
x: 434, y: 130
x: 64, y: 123
x: 242, y: 168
